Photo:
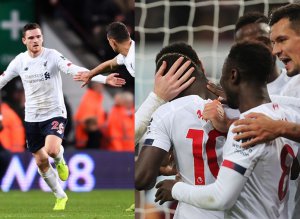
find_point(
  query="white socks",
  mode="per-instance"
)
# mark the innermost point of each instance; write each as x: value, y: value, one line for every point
x: 51, y: 179
x: 59, y: 156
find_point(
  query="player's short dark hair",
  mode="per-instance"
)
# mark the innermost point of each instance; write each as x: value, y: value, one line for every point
x: 173, y: 51
x: 252, y: 59
x: 290, y: 11
x: 30, y: 26
x: 117, y: 31
x: 250, y: 18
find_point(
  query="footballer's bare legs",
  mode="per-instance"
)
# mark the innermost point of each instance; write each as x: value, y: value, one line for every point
x: 56, y: 151
x: 48, y: 173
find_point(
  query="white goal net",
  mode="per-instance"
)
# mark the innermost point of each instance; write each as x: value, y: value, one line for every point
x: 206, y: 25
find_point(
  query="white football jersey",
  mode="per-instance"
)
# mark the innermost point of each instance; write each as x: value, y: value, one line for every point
x: 292, y: 88
x: 285, y: 85
x: 267, y: 167
x: 197, y: 146
x: 129, y: 60
x: 42, y: 83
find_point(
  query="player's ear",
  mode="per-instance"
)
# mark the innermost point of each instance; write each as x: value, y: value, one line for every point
x: 235, y: 76
x: 24, y: 40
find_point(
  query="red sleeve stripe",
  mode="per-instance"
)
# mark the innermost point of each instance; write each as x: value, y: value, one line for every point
x: 234, y: 166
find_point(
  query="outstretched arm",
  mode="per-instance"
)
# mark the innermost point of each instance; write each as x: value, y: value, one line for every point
x: 258, y: 128
x: 220, y: 195
x: 104, y: 67
x: 111, y: 79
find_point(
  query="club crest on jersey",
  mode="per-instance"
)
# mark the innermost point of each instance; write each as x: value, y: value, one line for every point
x: 47, y: 75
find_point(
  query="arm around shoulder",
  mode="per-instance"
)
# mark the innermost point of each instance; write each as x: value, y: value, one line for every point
x: 220, y: 195
x: 288, y: 130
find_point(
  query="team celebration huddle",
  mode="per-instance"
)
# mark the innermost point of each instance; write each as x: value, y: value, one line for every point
x: 234, y: 146
x: 168, y: 109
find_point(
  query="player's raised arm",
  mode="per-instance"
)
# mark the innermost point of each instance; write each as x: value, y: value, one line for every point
x: 111, y: 79
x: 104, y: 67
x: 166, y: 87
x: 65, y: 65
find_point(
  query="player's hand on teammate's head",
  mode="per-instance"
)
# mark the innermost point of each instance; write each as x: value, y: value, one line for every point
x: 115, y: 81
x: 177, y: 79
x: 83, y: 76
x: 164, y: 191
x: 218, y: 91
x: 256, y: 128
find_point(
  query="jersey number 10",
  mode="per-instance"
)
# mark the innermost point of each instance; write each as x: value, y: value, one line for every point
x: 210, y: 146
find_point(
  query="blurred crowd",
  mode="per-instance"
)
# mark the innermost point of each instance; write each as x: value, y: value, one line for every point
x: 93, y: 16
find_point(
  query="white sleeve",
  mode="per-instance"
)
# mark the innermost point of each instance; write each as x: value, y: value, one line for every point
x: 100, y: 79
x: 66, y: 66
x: 120, y: 59
x: 9, y: 73
x: 144, y: 113
x: 159, y: 132
x: 220, y: 195
x: 238, y: 164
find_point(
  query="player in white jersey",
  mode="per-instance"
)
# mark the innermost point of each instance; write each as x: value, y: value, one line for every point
x: 45, y: 112
x: 285, y: 40
x: 180, y: 124
x: 252, y: 182
x: 254, y: 26
x: 120, y: 41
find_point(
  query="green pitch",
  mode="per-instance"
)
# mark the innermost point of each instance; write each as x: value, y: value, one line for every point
x: 98, y: 204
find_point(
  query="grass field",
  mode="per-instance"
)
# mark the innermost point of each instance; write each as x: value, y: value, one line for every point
x: 110, y: 204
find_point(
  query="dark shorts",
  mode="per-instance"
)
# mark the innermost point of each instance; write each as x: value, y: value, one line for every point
x: 36, y: 132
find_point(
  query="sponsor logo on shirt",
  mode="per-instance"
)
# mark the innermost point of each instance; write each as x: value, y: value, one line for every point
x: 243, y: 151
x: 148, y: 127
x: 199, y: 114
